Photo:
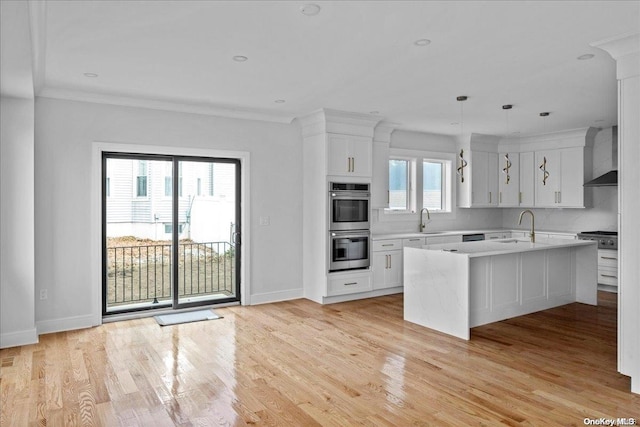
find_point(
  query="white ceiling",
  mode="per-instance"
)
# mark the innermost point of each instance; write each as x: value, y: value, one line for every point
x: 356, y: 56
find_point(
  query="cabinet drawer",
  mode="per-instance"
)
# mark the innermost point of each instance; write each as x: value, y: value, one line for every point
x: 349, y: 285
x: 387, y: 245
x: 608, y: 276
x: 607, y: 258
x: 413, y: 242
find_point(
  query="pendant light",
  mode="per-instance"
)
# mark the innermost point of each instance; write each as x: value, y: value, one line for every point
x: 507, y: 164
x: 463, y: 162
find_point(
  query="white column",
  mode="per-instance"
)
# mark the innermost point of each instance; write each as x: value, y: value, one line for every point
x: 626, y: 51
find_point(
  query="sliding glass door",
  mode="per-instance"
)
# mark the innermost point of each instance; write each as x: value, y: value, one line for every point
x: 171, y: 228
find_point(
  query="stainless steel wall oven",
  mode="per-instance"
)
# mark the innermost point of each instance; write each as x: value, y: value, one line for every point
x: 348, y: 206
x: 348, y: 250
x: 349, y: 236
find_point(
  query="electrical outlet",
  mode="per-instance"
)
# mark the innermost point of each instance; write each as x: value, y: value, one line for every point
x: 43, y: 294
x: 265, y: 220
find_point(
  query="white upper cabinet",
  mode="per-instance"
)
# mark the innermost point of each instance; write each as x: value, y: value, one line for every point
x: 349, y: 155
x: 560, y: 178
x: 509, y: 179
x: 477, y: 167
x: 526, y: 195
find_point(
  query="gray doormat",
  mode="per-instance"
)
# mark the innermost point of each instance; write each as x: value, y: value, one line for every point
x: 186, y: 317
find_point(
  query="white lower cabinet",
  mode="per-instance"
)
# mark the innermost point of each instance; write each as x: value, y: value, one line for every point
x: 348, y: 283
x: 608, y: 267
x: 387, y: 264
x: 413, y: 242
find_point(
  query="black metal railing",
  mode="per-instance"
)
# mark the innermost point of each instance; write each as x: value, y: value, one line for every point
x: 142, y: 273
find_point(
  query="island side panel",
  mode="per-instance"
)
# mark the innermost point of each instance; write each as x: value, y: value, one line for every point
x: 436, y: 290
x: 585, y: 260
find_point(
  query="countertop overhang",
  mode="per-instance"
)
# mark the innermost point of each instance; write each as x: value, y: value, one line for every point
x: 504, y: 246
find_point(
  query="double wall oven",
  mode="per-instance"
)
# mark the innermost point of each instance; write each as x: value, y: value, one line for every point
x: 349, y: 226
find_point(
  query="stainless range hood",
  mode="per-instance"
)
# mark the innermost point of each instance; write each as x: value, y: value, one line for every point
x: 610, y: 178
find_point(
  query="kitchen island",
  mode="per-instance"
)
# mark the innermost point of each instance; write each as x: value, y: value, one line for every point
x: 456, y: 286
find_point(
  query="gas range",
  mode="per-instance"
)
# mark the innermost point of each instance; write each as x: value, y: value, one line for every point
x: 605, y: 239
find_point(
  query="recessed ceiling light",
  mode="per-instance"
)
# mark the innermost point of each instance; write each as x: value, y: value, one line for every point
x: 90, y: 75
x: 240, y: 58
x: 279, y: 101
x: 422, y: 42
x: 586, y: 56
x: 310, y: 9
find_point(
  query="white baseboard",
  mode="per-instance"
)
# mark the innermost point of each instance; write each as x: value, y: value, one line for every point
x: 65, y: 324
x: 276, y: 296
x: 14, y: 339
x: 362, y: 295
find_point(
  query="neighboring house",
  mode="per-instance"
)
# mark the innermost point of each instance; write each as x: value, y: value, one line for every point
x: 139, y: 199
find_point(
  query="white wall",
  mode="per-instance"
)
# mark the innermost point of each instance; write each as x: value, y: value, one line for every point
x: 17, y: 262
x: 460, y: 219
x: 65, y: 131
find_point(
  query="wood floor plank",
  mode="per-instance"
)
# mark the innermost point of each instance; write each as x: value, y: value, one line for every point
x: 299, y: 363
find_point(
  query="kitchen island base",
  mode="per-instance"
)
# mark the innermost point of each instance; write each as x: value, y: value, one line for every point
x: 452, y: 288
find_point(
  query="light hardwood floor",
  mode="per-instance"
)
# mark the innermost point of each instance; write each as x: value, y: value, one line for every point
x: 298, y: 363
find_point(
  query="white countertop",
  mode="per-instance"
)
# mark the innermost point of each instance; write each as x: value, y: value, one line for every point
x: 408, y: 235
x: 504, y: 246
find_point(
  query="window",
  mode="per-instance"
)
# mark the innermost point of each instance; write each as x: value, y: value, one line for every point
x: 432, y: 190
x: 399, y: 184
x: 141, y: 179
x: 412, y: 187
x: 199, y: 187
x: 108, y: 187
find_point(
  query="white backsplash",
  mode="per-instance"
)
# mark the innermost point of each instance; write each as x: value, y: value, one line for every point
x: 465, y: 219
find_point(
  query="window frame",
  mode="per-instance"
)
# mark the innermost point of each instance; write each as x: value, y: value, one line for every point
x: 416, y: 190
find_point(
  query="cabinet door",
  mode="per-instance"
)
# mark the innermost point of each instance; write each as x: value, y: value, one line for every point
x: 509, y: 179
x: 571, y: 190
x: 387, y: 269
x: 547, y: 184
x: 349, y: 155
x: 527, y: 178
x: 360, y: 151
x: 479, y: 178
x: 339, y: 161
x: 492, y: 178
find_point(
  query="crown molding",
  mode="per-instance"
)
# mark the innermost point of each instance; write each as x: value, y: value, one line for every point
x: 227, y: 111
x: 326, y: 120
x: 625, y: 50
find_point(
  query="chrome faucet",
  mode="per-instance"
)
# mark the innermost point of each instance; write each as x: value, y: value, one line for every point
x: 532, y: 233
x: 422, y: 224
